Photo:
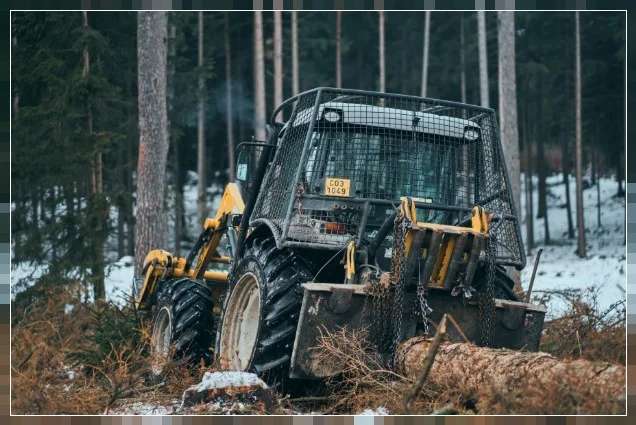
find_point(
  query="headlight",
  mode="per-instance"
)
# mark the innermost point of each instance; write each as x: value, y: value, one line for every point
x: 332, y: 116
x: 471, y: 134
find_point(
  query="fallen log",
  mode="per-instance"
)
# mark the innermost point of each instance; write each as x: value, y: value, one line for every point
x: 531, y: 378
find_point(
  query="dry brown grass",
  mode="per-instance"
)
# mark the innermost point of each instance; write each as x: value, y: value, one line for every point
x: 48, y: 343
x: 585, y: 331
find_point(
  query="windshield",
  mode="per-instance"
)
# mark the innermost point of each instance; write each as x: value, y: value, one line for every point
x: 384, y: 166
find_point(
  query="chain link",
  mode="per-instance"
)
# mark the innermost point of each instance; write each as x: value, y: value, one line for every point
x: 487, y: 295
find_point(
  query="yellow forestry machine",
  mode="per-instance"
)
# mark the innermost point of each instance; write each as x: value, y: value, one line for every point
x: 363, y: 210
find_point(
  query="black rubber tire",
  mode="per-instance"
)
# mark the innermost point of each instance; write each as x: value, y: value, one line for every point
x: 189, y: 303
x: 504, y: 285
x: 280, y: 274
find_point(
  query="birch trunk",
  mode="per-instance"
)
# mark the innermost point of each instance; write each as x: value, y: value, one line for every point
x: 201, y: 153
x: 152, y: 31
x: 518, y: 372
x: 580, y: 221
x: 259, y: 78
x: 228, y: 84
x: 483, y: 59
x: 278, y: 59
x: 427, y: 30
x: 295, y: 53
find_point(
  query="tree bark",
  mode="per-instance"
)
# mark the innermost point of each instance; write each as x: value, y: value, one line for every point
x: 462, y: 57
x: 201, y: 148
x: 295, y: 53
x: 259, y: 78
x: 518, y: 372
x: 96, y: 208
x: 179, y: 210
x: 427, y: 32
x: 381, y: 45
x: 338, y: 49
x: 580, y: 220
x: 565, y: 147
x: 278, y: 59
x: 529, y: 185
x: 153, y: 133
x: 508, y: 103
x: 483, y: 59
x: 228, y: 85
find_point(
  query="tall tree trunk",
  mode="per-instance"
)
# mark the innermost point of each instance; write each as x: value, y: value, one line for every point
x: 542, y: 165
x: 338, y: 49
x: 508, y: 103
x: 179, y: 210
x: 427, y: 32
x: 130, y: 217
x: 259, y: 78
x: 580, y: 220
x: 295, y: 53
x: 529, y: 200
x: 381, y: 45
x: 152, y: 28
x: 483, y: 59
x: 95, y: 199
x: 228, y: 85
x: 201, y: 151
x: 121, y: 208
x: 565, y: 146
x: 278, y: 59
x: 462, y: 56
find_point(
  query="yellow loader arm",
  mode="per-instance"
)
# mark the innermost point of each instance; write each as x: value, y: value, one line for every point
x: 160, y: 264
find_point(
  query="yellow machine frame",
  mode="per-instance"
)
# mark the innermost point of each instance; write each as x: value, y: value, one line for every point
x: 160, y: 264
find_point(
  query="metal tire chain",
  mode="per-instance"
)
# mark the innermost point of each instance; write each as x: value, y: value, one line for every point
x: 398, y: 279
x: 387, y: 315
x: 487, y: 297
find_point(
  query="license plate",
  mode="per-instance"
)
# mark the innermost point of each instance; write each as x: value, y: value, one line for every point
x: 337, y: 187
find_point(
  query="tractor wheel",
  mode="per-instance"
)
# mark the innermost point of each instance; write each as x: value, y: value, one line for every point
x: 504, y: 285
x: 182, y: 328
x: 260, y: 312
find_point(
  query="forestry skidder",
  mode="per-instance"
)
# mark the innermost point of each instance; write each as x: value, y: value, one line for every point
x: 363, y: 210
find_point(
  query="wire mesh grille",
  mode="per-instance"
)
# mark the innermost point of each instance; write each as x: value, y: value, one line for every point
x: 345, y: 158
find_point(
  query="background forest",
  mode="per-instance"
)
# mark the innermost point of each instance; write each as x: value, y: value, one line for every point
x: 76, y: 143
x: 75, y: 129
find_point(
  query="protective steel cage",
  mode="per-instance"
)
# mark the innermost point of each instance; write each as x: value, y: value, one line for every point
x: 344, y: 159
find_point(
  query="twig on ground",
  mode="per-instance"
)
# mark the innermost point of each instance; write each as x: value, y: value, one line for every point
x: 428, y: 363
x: 459, y: 329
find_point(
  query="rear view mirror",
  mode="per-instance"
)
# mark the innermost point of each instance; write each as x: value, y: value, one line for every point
x: 243, y: 165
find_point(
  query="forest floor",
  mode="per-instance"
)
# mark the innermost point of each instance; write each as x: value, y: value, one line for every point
x: 71, y: 358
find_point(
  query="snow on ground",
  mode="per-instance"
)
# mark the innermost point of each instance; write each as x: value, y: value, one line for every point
x: 118, y: 278
x: 380, y: 411
x: 560, y: 268
x: 144, y: 408
x: 216, y: 380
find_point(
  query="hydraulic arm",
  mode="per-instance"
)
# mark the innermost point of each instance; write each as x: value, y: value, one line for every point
x: 160, y: 264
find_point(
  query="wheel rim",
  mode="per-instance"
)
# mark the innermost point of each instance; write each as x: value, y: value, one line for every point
x: 161, y: 340
x: 241, y: 324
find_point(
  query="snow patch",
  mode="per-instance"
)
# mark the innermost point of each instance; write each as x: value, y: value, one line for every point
x: 380, y: 411
x: 560, y: 268
x: 216, y: 380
